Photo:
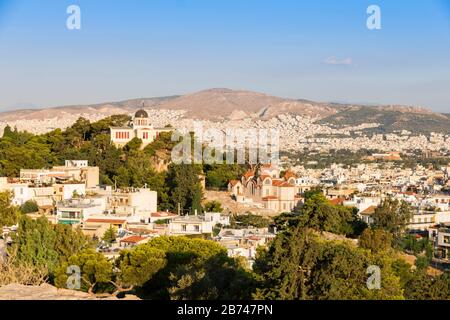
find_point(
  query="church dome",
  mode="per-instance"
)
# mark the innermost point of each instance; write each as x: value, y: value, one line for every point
x: 141, y: 114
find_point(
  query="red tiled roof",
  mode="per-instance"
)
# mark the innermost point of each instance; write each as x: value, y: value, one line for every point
x: 133, y: 239
x: 289, y: 174
x: 337, y: 201
x: 234, y: 182
x: 268, y: 198
x: 277, y: 183
x: 163, y: 214
x: 249, y: 174
x: 408, y: 193
x: 369, y: 211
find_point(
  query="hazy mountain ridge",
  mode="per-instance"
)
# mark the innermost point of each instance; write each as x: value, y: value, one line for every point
x: 391, y: 118
x: 226, y: 104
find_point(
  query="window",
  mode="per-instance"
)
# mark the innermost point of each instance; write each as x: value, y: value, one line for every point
x: 183, y: 227
x: 197, y: 228
x: 145, y: 135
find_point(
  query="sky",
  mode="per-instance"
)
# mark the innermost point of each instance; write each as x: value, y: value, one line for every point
x: 320, y: 50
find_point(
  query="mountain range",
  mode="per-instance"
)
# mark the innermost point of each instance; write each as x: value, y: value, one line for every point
x: 226, y: 104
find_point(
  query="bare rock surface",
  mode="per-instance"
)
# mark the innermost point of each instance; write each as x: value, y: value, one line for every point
x: 49, y: 292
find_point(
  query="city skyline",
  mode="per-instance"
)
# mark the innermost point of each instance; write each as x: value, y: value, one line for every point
x: 319, y: 52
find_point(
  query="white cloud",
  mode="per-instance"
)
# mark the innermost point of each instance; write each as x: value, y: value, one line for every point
x: 336, y: 62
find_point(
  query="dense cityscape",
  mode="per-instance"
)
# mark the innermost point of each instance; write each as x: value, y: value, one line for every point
x: 224, y: 159
x: 106, y: 193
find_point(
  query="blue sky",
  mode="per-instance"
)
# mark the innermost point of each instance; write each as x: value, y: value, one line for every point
x: 319, y: 50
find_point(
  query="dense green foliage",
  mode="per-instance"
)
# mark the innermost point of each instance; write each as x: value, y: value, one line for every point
x: 319, y: 214
x: 375, y: 240
x: 164, y: 268
x: 197, y: 269
x: 218, y: 176
x: 29, y: 207
x: 184, y: 187
x: 249, y: 220
x: 390, y: 120
x: 96, y: 271
x: 9, y: 214
x: 137, y: 266
x: 392, y: 216
x: 299, y: 265
x: 110, y: 235
x: 412, y: 245
x: 213, y: 206
x: 40, y: 243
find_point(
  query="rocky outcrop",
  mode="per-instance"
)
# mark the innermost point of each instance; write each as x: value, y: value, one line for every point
x: 48, y: 292
x: 2, y: 251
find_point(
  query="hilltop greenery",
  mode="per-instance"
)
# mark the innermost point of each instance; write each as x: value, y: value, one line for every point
x: 300, y: 263
x: 130, y: 166
x: 390, y: 120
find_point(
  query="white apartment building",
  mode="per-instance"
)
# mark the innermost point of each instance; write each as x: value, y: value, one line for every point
x: 75, y: 211
x: 196, y: 224
x: 134, y: 202
x: 439, y: 235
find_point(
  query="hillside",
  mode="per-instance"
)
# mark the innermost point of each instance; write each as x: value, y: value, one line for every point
x: 391, y: 119
x: 226, y: 104
x: 48, y: 292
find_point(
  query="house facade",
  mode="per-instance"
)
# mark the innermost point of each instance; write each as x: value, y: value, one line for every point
x: 140, y: 127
